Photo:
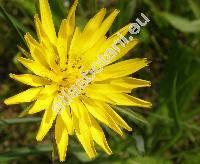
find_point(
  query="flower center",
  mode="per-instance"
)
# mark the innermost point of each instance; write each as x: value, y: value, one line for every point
x: 67, y: 78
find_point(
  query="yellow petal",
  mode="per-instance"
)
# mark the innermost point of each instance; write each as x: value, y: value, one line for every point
x: 91, y: 55
x: 83, y: 112
x: 41, y: 104
x: 94, y: 23
x: 67, y: 119
x: 127, y: 100
x: 65, y: 35
x: 73, y: 51
x: 71, y: 17
x: 101, y: 114
x: 47, y: 48
x: 49, y: 90
x: 31, y: 42
x: 124, y: 30
x: 118, y: 120
x: 61, y: 136
x: 36, y: 68
x: 47, y: 21
x: 96, y: 35
x: 85, y: 138
x: 70, y: 23
x: 100, y: 32
x: 38, y: 27
x: 107, y: 88
x: 98, y: 135
x: 82, y: 129
x: 114, y: 38
x: 47, y: 121
x: 121, y: 69
x: 52, y: 56
x: 102, y: 97
x: 31, y: 80
x: 100, y: 47
x: 124, y: 50
x: 62, y: 44
x: 26, y: 96
x: 36, y: 50
x: 105, y: 26
x: 129, y: 82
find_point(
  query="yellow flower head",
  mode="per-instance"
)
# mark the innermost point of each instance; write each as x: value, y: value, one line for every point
x: 57, y: 61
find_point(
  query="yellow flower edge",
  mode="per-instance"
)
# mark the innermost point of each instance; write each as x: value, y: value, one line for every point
x: 56, y: 61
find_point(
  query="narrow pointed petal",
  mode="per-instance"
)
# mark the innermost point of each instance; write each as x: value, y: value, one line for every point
x: 62, y: 44
x: 65, y: 35
x: 91, y: 55
x: 31, y: 80
x: 47, y: 48
x: 85, y: 138
x: 67, y: 119
x: 36, y: 51
x: 80, y: 114
x: 112, y: 39
x: 47, y: 121
x: 86, y: 43
x: 94, y: 23
x: 41, y: 104
x: 49, y: 90
x: 107, y: 88
x: 101, y: 97
x: 127, y: 100
x: 36, y: 68
x: 129, y: 82
x: 47, y: 21
x: 100, y: 47
x: 73, y: 51
x: 98, y: 135
x: 100, y: 32
x: 71, y: 22
x: 26, y: 96
x: 115, y: 116
x: 71, y: 19
x: 105, y: 26
x: 121, y: 69
x: 61, y: 136
x: 124, y: 50
x: 101, y: 115
x: 38, y: 27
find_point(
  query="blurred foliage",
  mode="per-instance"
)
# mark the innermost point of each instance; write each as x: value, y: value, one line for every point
x: 168, y: 133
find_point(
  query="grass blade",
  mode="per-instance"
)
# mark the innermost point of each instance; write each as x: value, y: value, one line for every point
x: 19, y: 120
x: 22, y: 152
x: 182, y: 24
x: 12, y: 23
x: 195, y: 8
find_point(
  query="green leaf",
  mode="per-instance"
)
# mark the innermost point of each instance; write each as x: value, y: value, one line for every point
x: 140, y: 143
x: 19, y: 120
x: 191, y: 157
x: 182, y: 24
x: 28, y: 5
x: 195, y: 8
x: 25, y: 151
x: 150, y: 160
x: 131, y: 114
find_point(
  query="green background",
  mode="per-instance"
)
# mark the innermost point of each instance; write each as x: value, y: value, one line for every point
x: 168, y: 133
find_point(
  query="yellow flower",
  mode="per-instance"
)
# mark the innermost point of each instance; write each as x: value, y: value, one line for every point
x: 57, y: 60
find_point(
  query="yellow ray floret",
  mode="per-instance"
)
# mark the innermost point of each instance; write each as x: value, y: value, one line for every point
x: 56, y: 61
